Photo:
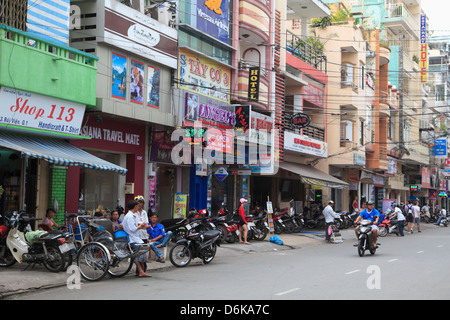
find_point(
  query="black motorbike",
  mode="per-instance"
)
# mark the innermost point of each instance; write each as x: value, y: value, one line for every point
x: 197, y: 244
x: 365, y: 238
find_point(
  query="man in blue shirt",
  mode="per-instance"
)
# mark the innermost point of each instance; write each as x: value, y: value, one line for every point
x: 372, y: 214
x: 158, y: 236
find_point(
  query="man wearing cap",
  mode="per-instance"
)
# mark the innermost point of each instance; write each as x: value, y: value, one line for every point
x: 372, y: 214
x: 397, y: 213
x: 329, y: 215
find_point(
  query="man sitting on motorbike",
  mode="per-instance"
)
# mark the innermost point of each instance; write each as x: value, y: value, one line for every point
x: 396, y: 213
x: 372, y: 214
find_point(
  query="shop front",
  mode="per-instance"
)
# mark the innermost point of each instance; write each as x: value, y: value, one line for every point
x: 119, y: 142
x: 35, y: 153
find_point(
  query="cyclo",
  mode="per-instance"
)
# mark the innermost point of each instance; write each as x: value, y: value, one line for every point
x: 107, y: 251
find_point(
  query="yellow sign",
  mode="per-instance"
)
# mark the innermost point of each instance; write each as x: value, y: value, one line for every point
x: 204, y: 76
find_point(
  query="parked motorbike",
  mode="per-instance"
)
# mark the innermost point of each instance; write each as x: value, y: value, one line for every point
x: 50, y: 249
x: 257, y: 227
x: 197, y: 244
x: 365, y: 238
x: 177, y: 226
x: 339, y: 222
x: 388, y: 226
x: 299, y: 222
x: 316, y: 222
x: 278, y: 220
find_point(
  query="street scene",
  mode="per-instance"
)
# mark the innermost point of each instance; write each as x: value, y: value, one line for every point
x: 260, y: 150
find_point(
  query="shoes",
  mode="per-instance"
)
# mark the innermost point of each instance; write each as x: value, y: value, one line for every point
x: 161, y: 260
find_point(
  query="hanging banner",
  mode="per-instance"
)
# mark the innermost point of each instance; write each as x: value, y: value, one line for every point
x: 253, y: 84
x: 423, y: 49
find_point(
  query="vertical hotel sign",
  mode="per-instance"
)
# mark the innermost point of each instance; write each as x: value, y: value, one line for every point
x: 253, y: 84
x: 423, y: 49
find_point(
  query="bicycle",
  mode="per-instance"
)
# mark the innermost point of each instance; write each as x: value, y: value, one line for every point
x: 109, y: 252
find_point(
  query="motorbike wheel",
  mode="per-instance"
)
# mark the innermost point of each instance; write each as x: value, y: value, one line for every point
x: 210, y: 253
x: 180, y: 255
x: 250, y: 234
x: 7, y: 260
x: 261, y: 236
x: 290, y: 227
x: 278, y: 228
x: 361, y: 249
x: 231, y: 237
x: 93, y: 262
x: 68, y: 259
x: 382, y: 231
x: 57, y: 261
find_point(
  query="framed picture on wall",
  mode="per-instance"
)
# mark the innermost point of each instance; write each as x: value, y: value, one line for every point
x: 119, y: 76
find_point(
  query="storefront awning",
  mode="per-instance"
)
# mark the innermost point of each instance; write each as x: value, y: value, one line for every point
x: 311, y: 175
x: 55, y: 151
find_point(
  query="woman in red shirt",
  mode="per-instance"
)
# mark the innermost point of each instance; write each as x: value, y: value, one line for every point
x: 242, y: 222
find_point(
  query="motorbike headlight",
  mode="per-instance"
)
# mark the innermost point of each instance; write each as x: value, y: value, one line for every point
x: 365, y: 229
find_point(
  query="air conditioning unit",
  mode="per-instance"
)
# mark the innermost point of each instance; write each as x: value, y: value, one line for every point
x: 151, y: 169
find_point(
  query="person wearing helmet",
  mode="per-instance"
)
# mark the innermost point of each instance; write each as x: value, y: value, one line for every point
x: 329, y: 215
x: 372, y: 214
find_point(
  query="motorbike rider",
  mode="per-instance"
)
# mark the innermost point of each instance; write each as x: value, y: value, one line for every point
x: 372, y: 214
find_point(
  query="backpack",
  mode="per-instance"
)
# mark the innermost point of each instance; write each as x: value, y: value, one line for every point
x: 409, y: 210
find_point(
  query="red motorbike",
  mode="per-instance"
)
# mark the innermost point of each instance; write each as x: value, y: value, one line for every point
x: 278, y: 224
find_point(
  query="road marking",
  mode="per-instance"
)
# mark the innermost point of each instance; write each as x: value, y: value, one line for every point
x: 286, y: 292
x: 354, y: 271
x: 420, y: 251
x: 392, y: 260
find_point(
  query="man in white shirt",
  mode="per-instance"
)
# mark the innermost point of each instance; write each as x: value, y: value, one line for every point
x: 329, y: 215
x: 132, y: 227
x: 416, y: 212
x: 397, y: 213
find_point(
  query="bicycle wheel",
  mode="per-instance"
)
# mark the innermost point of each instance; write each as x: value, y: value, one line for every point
x: 93, y: 261
x: 120, y: 267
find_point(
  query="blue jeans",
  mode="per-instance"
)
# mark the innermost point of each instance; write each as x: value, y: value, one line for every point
x: 162, y: 242
x: 439, y: 220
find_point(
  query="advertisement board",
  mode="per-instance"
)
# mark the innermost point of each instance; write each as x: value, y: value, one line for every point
x: 31, y: 110
x: 213, y: 18
x: 203, y: 76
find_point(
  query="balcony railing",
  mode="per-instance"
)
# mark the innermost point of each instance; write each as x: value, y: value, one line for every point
x: 399, y: 10
x: 306, y: 52
x: 34, y: 64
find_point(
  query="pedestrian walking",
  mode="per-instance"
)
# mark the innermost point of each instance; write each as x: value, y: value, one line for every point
x: 329, y: 215
x: 416, y: 212
x: 243, y: 228
x: 410, y: 216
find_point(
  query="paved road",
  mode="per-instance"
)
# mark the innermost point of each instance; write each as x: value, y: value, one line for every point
x: 412, y: 267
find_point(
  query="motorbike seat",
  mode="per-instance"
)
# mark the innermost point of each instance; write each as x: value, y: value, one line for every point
x: 210, y: 234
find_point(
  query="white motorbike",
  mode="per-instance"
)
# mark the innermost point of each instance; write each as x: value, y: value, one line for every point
x: 50, y: 249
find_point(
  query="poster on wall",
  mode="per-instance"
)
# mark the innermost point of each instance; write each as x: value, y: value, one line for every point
x: 212, y: 18
x: 180, y: 204
x: 119, y: 74
x: 153, y: 81
x: 137, y: 82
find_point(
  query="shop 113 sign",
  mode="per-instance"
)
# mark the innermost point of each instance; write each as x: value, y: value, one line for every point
x: 35, y: 111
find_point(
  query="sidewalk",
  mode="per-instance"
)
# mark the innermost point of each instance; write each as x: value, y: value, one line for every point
x: 15, y: 281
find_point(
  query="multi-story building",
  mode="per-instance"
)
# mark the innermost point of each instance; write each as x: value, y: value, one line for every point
x: 46, y: 86
x: 131, y: 121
